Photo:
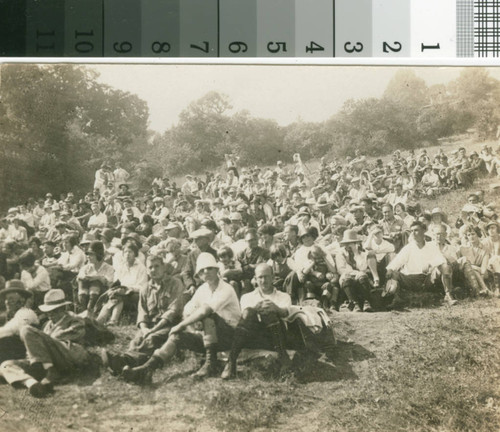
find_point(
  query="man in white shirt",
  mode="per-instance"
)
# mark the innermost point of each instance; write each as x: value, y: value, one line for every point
x: 98, y: 219
x: 120, y: 175
x: 413, y: 265
x: 215, y: 306
x: 261, y: 325
x: 18, y: 315
x: 34, y: 276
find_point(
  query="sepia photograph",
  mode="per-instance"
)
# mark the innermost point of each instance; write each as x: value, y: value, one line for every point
x: 210, y: 247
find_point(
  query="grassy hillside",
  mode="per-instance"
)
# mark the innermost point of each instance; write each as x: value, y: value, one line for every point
x: 430, y: 369
x: 423, y: 370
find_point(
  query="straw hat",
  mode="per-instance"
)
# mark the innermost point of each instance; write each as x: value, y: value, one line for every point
x: 202, y: 232
x: 53, y: 299
x: 350, y: 236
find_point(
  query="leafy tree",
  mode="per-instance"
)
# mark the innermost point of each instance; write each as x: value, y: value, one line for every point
x: 59, y: 123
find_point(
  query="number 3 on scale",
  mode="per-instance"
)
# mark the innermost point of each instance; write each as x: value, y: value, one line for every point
x: 349, y: 48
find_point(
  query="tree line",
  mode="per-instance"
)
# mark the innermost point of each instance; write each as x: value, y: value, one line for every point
x: 58, y: 122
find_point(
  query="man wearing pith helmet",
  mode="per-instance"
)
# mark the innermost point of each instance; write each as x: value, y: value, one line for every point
x: 50, y: 353
x: 214, y: 305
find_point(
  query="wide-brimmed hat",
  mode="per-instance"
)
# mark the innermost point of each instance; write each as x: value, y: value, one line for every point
x: 492, y: 223
x: 202, y: 232
x: 205, y: 260
x: 311, y: 231
x: 338, y: 220
x: 350, y: 236
x: 87, y: 238
x: 15, y: 286
x: 355, y: 206
x: 304, y: 211
x: 235, y: 216
x: 172, y: 225
x: 53, y: 299
x: 323, y: 202
x: 242, y: 207
x: 438, y: 211
x: 133, y: 236
x: 470, y: 208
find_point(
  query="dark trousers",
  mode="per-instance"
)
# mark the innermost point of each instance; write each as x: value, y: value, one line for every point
x: 11, y: 348
x: 216, y: 332
x: 141, y: 348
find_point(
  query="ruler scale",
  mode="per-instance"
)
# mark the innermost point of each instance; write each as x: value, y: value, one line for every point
x: 250, y: 28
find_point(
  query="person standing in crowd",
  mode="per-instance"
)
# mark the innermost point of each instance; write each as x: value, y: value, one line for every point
x: 120, y: 175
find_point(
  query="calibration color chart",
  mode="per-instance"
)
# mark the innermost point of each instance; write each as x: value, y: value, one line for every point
x: 250, y: 28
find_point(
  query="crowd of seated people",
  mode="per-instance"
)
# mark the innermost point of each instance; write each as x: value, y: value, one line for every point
x: 249, y: 257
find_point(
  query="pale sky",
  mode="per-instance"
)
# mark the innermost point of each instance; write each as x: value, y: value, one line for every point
x: 282, y: 93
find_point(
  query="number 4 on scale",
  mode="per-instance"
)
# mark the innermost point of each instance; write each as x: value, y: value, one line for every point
x: 313, y: 46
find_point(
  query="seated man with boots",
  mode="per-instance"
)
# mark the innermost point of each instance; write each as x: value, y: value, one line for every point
x: 261, y: 324
x: 413, y: 266
x: 52, y: 352
x: 214, y: 305
x: 159, y: 309
x: 18, y: 315
x: 264, y: 313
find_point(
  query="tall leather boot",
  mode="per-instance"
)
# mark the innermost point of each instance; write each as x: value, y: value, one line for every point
x: 470, y: 277
x: 142, y: 374
x: 209, y: 368
x: 92, y: 301
x: 240, y: 337
x: 83, y: 300
x: 334, y: 301
x: 496, y: 284
x: 308, y: 339
x: 278, y: 338
x: 368, y: 304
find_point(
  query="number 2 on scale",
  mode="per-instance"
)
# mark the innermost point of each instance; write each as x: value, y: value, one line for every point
x: 395, y: 48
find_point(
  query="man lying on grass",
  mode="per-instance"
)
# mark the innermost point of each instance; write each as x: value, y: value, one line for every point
x: 53, y: 352
x: 215, y: 307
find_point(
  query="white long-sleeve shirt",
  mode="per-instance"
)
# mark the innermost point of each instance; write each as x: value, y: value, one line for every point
x: 22, y: 317
x: 39, y: 282
x: 412, y: 260
x: 72, y: 261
